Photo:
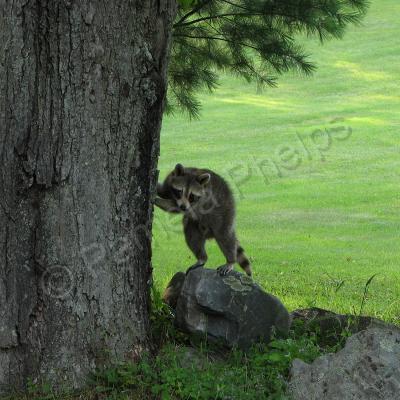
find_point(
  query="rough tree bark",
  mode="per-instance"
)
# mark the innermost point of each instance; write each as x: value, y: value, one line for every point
x: 82, y: 91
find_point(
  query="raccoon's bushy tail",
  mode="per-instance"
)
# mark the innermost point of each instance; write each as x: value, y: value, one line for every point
x: 242, y: 260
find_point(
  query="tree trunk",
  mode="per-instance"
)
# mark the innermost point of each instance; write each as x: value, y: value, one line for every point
x: 82, y: 91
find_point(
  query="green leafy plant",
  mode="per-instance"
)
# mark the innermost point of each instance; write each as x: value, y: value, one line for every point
x: 162, y: 322
x: 42, y: 391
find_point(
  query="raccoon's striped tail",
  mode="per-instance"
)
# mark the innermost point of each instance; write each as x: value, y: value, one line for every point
x: 242, y: 260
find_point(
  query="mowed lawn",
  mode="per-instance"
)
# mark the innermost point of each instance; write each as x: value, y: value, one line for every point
x: 315, y: 167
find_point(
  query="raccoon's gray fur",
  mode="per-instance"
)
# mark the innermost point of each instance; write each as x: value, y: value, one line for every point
x: 208, y: 209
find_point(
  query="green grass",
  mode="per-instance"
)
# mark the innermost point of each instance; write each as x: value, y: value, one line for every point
x: 319, y: 225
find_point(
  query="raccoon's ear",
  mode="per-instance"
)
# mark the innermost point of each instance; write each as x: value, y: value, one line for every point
x: 179, y: 170
x: 203, y: 179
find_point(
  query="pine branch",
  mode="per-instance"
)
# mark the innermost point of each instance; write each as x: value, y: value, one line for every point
x: 211, y: 17
x: 193, y: 11
x: 216, y: 38
x: 254, y: 39
x: 235, y: 5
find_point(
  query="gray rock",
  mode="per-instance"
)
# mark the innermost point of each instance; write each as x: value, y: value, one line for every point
x: 232, y: 309
x: 367, y: 368
x: 173, y: 290
x: 330, y: 325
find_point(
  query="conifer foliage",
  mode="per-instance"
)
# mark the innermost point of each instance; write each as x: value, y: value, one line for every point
x: 254, y: 39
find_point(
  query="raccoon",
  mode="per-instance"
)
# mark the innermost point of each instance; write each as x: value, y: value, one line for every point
x: 208, y: 208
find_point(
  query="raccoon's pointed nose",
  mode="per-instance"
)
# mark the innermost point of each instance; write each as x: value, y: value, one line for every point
x: 183, y: 207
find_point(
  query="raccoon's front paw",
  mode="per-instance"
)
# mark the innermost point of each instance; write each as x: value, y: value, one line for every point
x: 167, y: 205
x: 224, y: 269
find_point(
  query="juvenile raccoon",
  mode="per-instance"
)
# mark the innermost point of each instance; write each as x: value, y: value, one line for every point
x: 208, y: 210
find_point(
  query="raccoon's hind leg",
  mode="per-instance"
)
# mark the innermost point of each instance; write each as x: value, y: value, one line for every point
x: 227, y: 243
x: 196, y: 241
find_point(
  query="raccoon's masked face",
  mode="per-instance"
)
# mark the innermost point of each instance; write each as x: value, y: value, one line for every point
x: 188, y: 188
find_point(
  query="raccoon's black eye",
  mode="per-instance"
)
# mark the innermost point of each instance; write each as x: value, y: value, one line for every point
x: 177, y: 192
x: 193, y: 198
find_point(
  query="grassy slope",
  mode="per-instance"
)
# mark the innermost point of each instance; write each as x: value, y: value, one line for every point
x: 334, y: 217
